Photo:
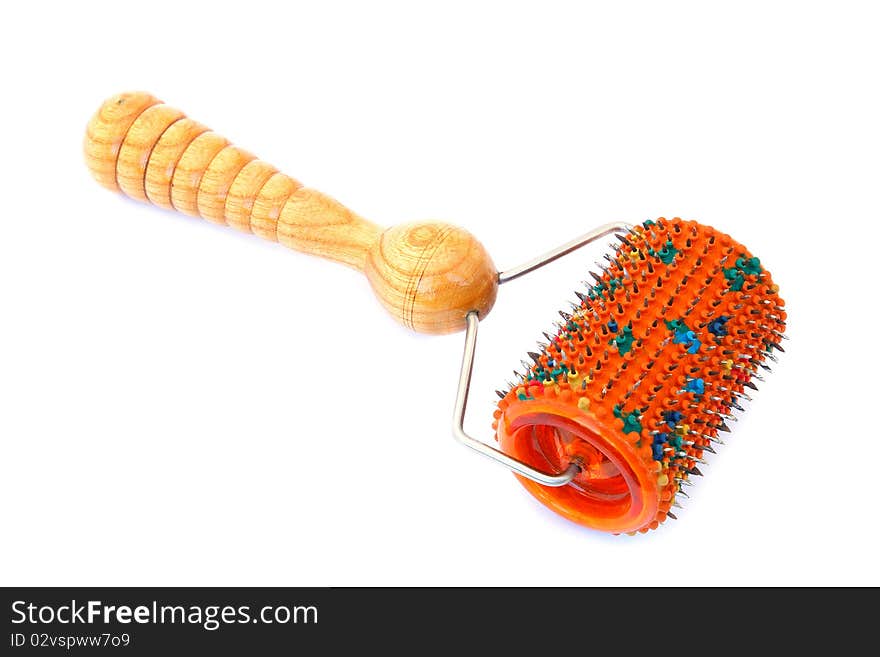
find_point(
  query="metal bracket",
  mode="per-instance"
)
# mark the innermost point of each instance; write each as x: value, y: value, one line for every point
x: 467, y: 364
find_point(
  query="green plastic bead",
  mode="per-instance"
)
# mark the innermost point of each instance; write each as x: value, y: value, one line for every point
x: 631, y: 422
x: 676, y: 326
x: 751, y: 266
x: 666, y: 254
x: 737, y: 280
x: 624, y: 340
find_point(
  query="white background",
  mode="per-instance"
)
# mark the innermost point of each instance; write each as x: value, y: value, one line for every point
x: 181, y: 404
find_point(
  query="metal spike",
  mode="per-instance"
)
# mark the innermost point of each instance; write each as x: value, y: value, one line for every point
x: 681, y: 492
x: 535, y: 357
x: 564, y: 315
x: 694, y: 471
x: 670, y: 514
x: 677, y: 505
x: 501, y: 395
x: 684, y: 482
x: 723, y: 427
x: 751, y: 385
x: 621, y: 238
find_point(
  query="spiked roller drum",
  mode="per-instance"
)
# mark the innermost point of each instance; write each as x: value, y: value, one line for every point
x: 613, y: 416
x: 639, y: 379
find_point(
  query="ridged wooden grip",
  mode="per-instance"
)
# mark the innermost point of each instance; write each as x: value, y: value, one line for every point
x: 428, y: 275
x: 153, y: 152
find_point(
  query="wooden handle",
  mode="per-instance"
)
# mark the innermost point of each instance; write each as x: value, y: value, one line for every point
x: 428, y: 275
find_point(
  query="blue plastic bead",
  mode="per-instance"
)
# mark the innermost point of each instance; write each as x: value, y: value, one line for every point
x: 718, y: 326
x: 682, y: 337
x: 697, y: 386
x: 672, y: 418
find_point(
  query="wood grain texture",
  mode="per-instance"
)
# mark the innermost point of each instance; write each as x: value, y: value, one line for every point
x: 428, y: 275
x: 164, y: 158
x: 244, y: 191
x: 315, y: 223
x: 268, y: 204
x: 216, y: 181
x: 107, y: 129
x: 190, y: 168
x: 134, y: 154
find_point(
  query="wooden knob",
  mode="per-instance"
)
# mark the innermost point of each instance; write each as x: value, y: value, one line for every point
x: 431, y: 275
x: 428, y: 275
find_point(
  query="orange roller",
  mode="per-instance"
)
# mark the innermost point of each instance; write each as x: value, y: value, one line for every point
x: 642, y: 374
